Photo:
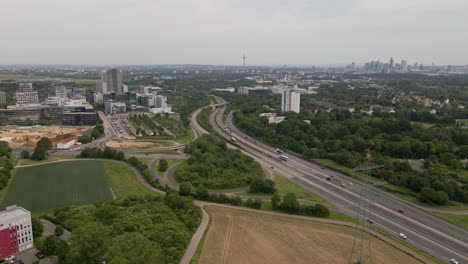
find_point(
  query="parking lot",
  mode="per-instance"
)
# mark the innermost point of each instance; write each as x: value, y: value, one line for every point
x: 121, y: 125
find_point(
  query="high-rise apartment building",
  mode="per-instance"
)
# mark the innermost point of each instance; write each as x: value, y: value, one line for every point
x: 111, y: 81
x: 290, y: 101
x: 2, y: 97
x: 404, y: 66
x: 15, y: 231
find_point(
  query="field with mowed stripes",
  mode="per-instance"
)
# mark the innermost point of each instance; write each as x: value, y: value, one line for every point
x: 44, y: 187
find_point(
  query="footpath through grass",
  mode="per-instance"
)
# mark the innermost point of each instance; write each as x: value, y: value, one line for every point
x: 43, y: 188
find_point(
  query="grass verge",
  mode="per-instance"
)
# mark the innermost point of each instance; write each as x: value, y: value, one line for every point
x: 123, y: 181
x: 460, y: 220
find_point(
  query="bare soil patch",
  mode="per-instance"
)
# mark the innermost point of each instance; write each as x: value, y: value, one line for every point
x: 126, y: 144
x: 27, y: 138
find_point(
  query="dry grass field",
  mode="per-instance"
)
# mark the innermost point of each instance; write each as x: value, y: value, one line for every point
x: 239, y: 236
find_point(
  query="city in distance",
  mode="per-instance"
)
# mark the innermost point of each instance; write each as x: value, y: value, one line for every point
x: 233, y: 132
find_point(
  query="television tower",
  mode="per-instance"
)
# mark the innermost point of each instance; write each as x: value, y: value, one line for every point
x: 243, y: 58
x: 361, y: 244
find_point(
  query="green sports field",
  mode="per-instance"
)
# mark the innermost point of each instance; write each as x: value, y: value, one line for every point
x: 42, y: 188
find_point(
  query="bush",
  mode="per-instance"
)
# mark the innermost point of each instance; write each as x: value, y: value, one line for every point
x: 25, y: 154
x: 262, y: 186
x: 58, y: 230
x: 162, y: 165
x: 256, y: 204
x: 185, y: 189
x: 39, y: 154
x: 37, y: 227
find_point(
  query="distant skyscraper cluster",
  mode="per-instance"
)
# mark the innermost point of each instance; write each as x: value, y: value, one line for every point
x: 111, y: 81
x: 387, y: 67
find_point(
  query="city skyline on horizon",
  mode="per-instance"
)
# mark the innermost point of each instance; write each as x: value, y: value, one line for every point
x: 219, y: 32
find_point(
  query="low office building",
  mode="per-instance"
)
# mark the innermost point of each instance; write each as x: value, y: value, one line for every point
x: 113, y: 107
x: 83, y: 115
x: 66, y: 143
x: 254, y: 90
x: 15, y: 231
x: 27, y: 97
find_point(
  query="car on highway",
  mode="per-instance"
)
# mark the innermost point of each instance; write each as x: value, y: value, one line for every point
x: 328, y: 178
x: 401, y: 211
x: 272, y: 167
x: 402, y: 236
x: 370, y: 221
x: 323, y: 168
x: 453, y: 261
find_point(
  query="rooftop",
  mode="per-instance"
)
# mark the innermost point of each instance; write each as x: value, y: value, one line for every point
x: 13, y: 212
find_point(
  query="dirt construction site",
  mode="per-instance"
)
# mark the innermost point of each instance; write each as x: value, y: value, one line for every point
x: 241, y: 237
x: 27, y: 137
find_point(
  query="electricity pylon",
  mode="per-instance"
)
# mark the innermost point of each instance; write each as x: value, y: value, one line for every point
x: 362, y: 240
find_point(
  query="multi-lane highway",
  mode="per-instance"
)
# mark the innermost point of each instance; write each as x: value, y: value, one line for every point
x: 425, y: 231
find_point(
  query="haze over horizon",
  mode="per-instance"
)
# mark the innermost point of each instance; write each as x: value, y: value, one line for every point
x: 219, y: 31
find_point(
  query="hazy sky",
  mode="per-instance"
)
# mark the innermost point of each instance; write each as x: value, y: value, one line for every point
x: 220, y: 31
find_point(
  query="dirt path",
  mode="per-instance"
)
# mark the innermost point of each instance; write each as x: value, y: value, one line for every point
x: 196, y: 238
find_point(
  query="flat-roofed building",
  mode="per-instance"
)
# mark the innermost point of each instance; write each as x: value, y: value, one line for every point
x: 15, y: 231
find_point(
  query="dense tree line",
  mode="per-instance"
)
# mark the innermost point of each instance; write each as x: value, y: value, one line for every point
x: 289, y: 204
x: 97, y: 153
x: 215, y: 166
x: 149, y: 229
x: 343, y: 137
x: 144, y: 170
x: 5, y: 164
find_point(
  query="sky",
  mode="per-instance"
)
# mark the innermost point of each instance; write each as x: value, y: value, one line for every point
x: 308, y: 32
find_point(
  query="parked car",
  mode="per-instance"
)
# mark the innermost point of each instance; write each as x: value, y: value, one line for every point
x: 40, y: 255
x: 328, y: 179
x: 402, y: 236
x: 19, y: 261
x: 401, y: 211
x: 10, y: 259
x: 370, y: 221
x: 453, y: 261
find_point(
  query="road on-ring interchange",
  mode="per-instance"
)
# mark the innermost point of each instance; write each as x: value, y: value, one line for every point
x: 426, y: 232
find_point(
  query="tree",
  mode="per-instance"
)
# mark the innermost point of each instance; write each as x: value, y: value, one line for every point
x: 8, y: 165
x: 58, y: 230
x: 89, y: 243
x: 44, y: 143
x: 262, y: 186
x: 50, y: 245
x: 275, y: 201
x: 123, y: 249
x: 120, y: 155
x: 84, y: 139
x: 25, y: 154
x: 162, y: 166
x: 185, y: 189
x: 37, y: 227
x: 290, y: 203
x: 39, y: 154
x: 201, y: 192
